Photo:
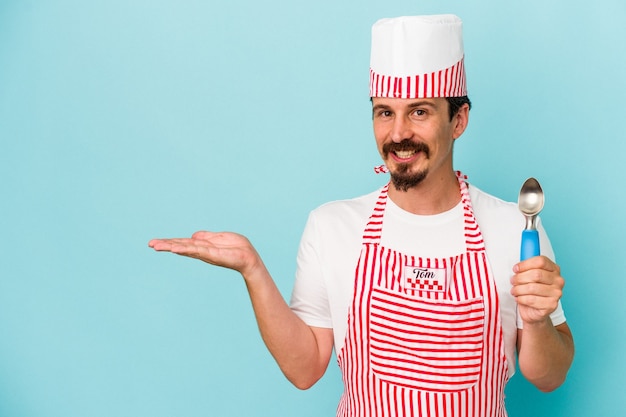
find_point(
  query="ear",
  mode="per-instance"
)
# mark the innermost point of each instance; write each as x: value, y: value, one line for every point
x: 460, y: 120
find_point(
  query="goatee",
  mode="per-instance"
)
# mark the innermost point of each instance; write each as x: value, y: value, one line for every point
x: 401, y: 177
x: 403, y: 180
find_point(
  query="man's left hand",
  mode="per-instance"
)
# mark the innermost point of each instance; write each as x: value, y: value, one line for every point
x: 537, y: 287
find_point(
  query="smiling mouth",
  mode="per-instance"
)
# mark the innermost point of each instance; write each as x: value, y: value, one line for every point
x: 405, y: 154
x: 405, y: 150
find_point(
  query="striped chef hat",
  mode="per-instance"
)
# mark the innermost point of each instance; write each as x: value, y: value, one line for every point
x: 417, y: 57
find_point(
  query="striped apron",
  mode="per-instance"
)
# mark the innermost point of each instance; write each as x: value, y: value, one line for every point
x: 424, y: 335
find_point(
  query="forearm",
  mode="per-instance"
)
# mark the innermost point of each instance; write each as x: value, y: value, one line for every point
x: 545, y: 353
x: 295, y: 346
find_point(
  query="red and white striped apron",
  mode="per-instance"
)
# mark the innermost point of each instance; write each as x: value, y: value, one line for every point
x: 424, y: 335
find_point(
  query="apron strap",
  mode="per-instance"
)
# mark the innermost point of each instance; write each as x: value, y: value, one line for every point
x: 473, y: 237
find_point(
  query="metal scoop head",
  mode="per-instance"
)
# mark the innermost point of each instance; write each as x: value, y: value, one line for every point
x: 530, y: 201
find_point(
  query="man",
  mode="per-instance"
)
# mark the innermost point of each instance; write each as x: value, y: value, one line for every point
x: 417, y: 286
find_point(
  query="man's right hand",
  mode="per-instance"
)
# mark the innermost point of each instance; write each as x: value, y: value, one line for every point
x: 225, y: 249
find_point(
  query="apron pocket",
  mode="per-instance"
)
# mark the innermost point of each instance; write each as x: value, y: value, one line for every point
x: 430, y: 345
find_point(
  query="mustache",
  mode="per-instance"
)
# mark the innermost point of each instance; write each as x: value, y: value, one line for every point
x: 406, y: 145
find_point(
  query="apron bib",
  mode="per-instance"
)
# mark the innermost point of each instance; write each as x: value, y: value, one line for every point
x: 424, y: 335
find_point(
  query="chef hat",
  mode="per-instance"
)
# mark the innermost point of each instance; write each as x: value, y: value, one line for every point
x: 417, y: 57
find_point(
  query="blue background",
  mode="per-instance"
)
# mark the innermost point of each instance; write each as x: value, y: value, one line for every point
x: 121, y: 121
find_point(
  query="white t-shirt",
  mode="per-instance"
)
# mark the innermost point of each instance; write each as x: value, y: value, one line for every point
x: 332, y: 240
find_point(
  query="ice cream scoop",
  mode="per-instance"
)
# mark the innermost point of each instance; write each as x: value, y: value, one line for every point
x: 530, y: 203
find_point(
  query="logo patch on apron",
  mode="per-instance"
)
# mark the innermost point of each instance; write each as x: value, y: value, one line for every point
x: 425, y: 279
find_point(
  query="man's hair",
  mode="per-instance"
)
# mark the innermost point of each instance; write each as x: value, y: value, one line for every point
x: 455, y: 103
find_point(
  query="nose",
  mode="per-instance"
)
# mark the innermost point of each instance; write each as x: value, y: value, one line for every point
x: 401, y: 129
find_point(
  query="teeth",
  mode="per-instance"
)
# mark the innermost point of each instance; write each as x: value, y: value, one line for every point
x: 405, y: 154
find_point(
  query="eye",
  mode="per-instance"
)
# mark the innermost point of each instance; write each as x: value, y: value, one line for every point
x: 383, y: 113
x: 419, y: 112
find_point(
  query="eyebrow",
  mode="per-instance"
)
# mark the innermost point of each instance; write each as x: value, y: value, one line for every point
x: 421, y: 103
x: 380, y: 107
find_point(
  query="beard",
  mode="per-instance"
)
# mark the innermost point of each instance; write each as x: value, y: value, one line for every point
x: 401, y: 177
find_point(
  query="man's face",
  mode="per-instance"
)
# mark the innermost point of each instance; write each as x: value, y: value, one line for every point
x: 415, y: 137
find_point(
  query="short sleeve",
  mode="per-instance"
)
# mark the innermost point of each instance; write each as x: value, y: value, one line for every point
x: 309, y: 298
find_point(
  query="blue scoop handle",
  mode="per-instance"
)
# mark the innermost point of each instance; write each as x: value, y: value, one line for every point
x: 530, y: 244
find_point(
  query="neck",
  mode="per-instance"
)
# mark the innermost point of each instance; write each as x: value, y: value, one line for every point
x: 431, y: 196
